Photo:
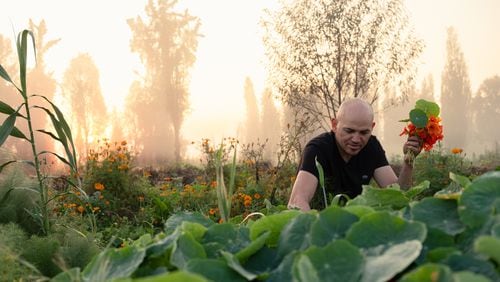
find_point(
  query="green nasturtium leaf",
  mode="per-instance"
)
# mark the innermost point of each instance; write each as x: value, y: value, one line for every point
x: 252, y: 248
x: 481, y: 199
x: 185, y: 249
x: 428, y: 107
x: 474, y: 264
x: 214, y: 270
x: 429, y: 272
x: 296, y: 235
x: 274, y: 223
x: 418, y: 118
x: 417, y: 189
x: 332, y: 223
x: 233, y: 263
x: 359, y: 210
x: 284, y: 270
x: 441, y: 253
x: 113, y: 264
x: 438, y: 213
x: 173, y: 277
x: 304, y: 271
x: 225, y: 237
x: 197, y: 230
x: 384, y: 229
x: 385, y: 261
x: 337, y: 261
x: 380, y: 199
x: 69, y: 275
x: 469, y: 276
x: 489, y: 246
x: 178, y: 218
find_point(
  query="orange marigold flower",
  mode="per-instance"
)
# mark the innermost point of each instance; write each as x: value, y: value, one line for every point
x: 80, y: 209
x: 211, y: 211
x: 213, y: 184
x: 99, y: 186
x: 456, y: 150
x: 247, y: 198
x: 256, y: 196
x: 140, y: 198
x: 124, y: 143
x: 247, y: 203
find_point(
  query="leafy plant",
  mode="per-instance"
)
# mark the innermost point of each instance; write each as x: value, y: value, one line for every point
x: 24, y: 112
x: 428, y: 240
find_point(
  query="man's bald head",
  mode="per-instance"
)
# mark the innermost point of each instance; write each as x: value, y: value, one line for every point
x: 357, y: 107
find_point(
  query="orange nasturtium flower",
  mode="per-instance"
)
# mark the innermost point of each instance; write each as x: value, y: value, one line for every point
x: 425, y: 123
x: 99, y: 186
x: 456, y: 150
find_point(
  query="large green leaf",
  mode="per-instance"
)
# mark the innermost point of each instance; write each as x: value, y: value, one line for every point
x: 384, y: 229
x: 489, y: 246
x: 113, y: 264
x: 481, y: 199
x: 233, y: 263
x: 430, y: 108
x: 438, y: 213
x: 418, y: 118
x: 5, y: 75
x: 163, y: 245
x: 473, y: 264
x: 468, y: 276
x: 225, y: 237
x: 274, y: 223
x: 185, y: 249
x: 337, y: 261
x: 70, y: 275
x: 284, y: 270
x: 173, y: 277
x: 175, y: 220
x: 385, y: 261
x: 332, y: 223
x: 380, y: 199
x: 253, y: 247
x: 303, y: 270
x: 429, y: 272
x: 214, y: 270
x: 296, y: 235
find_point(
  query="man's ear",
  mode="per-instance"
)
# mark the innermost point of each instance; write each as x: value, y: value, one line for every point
x: 373, y: 125
x: 334, y: 124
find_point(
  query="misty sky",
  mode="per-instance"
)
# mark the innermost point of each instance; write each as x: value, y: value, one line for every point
x: 231, y: 47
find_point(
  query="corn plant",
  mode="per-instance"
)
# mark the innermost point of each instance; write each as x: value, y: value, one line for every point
x: 224, y: 194
x: 62, y: 133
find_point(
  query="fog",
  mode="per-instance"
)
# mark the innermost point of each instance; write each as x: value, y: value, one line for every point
x: 217, y: 85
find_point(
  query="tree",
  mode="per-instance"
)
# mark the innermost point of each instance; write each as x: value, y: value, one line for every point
x: 166, y: 43
x: 82, y: 88
x: 485, y: 112
x: 252, y: 127
x: 455, y: 93
x: 270, y: 124
x: 322, y: 52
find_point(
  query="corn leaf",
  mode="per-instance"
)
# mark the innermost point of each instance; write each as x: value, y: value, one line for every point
x: 62, y: 159
x: 50, y: 134
x: 22, y: 53
x: 5, y: 75
x: 7, y: 127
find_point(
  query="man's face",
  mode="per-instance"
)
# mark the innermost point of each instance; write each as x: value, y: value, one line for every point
x: 352, y: 132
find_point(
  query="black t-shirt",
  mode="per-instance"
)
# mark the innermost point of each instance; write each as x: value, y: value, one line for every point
x: 341, y: 177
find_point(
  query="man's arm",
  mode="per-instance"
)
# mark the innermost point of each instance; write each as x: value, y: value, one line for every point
x: 303, y: 191
x: 385, y: 176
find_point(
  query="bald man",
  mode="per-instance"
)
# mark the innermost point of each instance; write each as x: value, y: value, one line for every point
x: 350, y: 156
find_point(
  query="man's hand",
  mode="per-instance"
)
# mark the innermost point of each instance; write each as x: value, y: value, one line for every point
x: 413, y: 144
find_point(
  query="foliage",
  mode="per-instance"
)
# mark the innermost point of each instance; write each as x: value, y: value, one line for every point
x: 12, y: 238
x: 17, y: 197
x: 322, y: 52
x: 407, y: 239
x: 435, y: 166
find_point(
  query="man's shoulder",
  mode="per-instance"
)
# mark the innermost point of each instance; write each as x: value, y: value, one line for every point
x: 325, y: 138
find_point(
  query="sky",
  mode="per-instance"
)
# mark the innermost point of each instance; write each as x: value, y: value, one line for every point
x: 231, y: 47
